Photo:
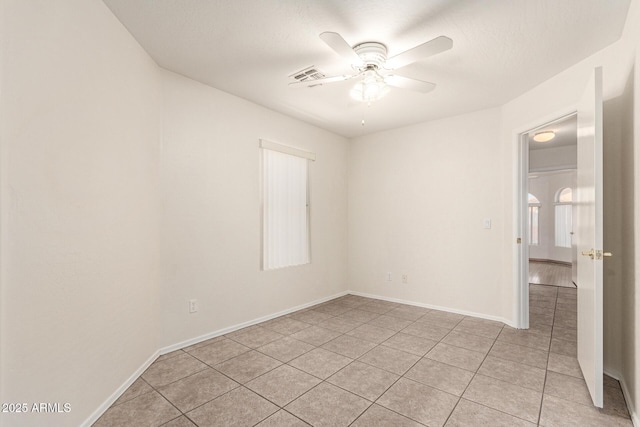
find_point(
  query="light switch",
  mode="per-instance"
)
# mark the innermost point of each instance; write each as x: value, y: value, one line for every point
x: 486, y: 223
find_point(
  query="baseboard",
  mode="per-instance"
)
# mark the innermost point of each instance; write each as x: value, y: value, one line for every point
x: 635, y: 417
x: 168, y: 349
x: 196, y: 340
x: 116, y: 394
x: 551, y: 261
x: 435, y: 307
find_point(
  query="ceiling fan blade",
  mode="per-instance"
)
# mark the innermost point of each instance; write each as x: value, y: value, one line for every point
x: 425, y: 50
x: 341, y: 47
x: 317, y: 82
x: 407, y: 83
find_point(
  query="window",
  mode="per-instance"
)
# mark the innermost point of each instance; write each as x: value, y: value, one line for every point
x: 564, y: 195
x: 534, y: 210
x: 563, y: 220
x: 285, y: 206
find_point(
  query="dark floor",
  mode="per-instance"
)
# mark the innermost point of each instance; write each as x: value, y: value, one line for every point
x: 355, y: 361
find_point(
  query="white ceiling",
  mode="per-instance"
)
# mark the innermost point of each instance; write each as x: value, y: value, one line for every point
x: 249, y: 48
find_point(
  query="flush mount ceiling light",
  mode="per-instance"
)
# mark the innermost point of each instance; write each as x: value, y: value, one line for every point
x: 544, y: 136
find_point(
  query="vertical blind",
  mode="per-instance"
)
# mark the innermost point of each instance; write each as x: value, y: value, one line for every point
x: 563, y: 226
x: 534, y: 231
x: 285, y: 207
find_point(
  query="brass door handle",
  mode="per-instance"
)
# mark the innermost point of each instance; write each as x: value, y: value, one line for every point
x: 600, y: 254
x: 590, y: 253
x: 597, y: 254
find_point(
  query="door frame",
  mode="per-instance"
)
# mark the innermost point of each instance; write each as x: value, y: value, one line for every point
x: 521, y: 210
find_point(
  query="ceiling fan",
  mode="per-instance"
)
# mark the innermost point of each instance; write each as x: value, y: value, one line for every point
x: 373, y: 68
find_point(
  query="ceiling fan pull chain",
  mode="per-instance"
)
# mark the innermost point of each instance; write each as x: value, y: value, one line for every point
x: 364, y: 110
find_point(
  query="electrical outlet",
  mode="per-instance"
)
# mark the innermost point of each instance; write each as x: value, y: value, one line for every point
x: 405, y: 278
x: 193, y: 306
x: 389, y: 276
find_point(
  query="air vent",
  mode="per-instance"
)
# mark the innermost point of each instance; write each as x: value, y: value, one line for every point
x: 309, y: 73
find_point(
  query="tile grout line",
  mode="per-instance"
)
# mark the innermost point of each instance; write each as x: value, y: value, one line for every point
x: 244, y: 386
x: 312, y: 388
x: 374, y: 402
x: 403, y: 375
x: 472, y: 378
x: 546, y: 371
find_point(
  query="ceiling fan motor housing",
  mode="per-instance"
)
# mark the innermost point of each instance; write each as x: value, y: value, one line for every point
x: 372, y: 54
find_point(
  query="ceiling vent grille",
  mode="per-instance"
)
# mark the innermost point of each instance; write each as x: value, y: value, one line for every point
x: 309, y: 73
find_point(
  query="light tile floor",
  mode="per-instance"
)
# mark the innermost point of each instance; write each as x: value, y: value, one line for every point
x: 355, y: 361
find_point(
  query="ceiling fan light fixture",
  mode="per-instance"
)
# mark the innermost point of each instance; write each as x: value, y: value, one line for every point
x: 544, y: 136
x: 371, y: 88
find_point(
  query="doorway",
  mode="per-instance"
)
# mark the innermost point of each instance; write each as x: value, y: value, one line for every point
x: 580, y: 323
x: 547, y: 184
x: 552, y: 175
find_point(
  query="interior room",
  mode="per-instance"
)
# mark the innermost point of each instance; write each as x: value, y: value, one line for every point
x: 553, y: 162
x: 316, y: 213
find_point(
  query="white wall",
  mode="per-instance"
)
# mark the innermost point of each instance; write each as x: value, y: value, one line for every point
x: 211, y: 214
x: 545, y: 187
x: 555, y: 158
x: 417, y: 199
x: 84, y: 301
x: 80, y: 214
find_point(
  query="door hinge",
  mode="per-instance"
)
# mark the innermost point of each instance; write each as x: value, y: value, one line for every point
x: 519, y: 240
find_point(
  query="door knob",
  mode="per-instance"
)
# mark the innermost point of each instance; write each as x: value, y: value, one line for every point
x: 590, y: 253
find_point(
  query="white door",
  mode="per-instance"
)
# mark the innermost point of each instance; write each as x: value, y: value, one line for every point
x: 589, y: 236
